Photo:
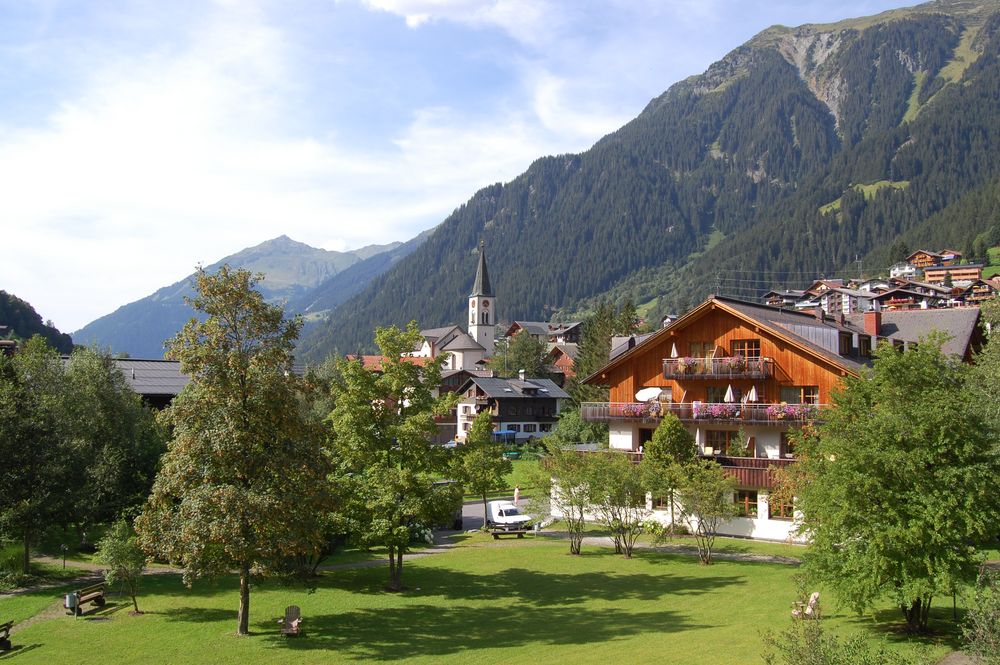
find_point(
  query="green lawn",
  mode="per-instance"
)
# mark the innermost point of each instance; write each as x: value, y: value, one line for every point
x: 485, y: 602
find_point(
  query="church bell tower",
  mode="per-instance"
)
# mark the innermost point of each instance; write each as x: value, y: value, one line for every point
x: 483, y: 306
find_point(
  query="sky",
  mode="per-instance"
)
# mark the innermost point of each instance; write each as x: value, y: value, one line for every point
x: 141, y: 138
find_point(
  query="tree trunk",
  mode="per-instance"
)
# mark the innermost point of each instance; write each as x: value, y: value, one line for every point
x: 244, y: 614
x: 917, y: 614
x: 26, y: 561
x: 134, y: 592
x: 395, y: 569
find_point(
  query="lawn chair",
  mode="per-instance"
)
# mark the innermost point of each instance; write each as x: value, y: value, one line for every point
x: 293, y: 619
x: 808, y: 610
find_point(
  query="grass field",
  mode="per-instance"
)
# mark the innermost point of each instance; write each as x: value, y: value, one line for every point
x: 484, y: 601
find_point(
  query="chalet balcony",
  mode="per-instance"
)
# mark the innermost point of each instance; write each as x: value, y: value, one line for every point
x: 717, y: 368
x: 752, y: 472
x: 650, y: 413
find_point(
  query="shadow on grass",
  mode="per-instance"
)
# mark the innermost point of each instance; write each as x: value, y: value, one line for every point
x: 200, y: 615
x: 18, y: 650
x: 889, y: 624
x: 428, y: 630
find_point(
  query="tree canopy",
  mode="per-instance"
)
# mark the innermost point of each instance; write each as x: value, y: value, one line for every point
x: 901, y: 484
x: 243, y: 483
x: 480, y: 465
x: 382, y: 426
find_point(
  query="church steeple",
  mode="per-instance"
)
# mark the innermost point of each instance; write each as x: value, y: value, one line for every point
x: 482, y: 306
x: 482, y: 287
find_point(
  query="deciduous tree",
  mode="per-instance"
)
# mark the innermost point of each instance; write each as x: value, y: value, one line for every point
x: 617, y: 493
x: 671, y: 448
x: 521, y: 352
x: 706, y: 498
x: 480, y: 465
x: 119, y: 550
x: 243, y: 483
x: 902, y: 484
x: 40, y: 466
x: 382, y: 427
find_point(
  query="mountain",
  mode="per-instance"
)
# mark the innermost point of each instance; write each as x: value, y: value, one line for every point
x: 293, y: 271
x: 22, y: 322
x: 800, y: 153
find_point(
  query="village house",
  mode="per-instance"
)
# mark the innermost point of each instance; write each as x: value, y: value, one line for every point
x: 554, y: 333
x: 528, y: 408
x: 961, y: 275
x: 729, y: 368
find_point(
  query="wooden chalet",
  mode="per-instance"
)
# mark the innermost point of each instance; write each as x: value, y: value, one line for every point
x: 961, y: 273
x: 729, y: 366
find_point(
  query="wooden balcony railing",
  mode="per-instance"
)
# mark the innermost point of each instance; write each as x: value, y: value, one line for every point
x: 690, y: 412
x: 735, y: 367
x: 750, y: 472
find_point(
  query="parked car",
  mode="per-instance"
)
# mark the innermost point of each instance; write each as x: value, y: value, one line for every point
x: 505, y: 515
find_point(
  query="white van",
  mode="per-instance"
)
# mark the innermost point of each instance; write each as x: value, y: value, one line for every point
x: 505, y: 515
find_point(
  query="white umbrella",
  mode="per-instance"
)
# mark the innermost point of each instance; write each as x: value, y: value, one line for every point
x: 673, y: 350
x: 729, y: 394
x: 752, y: 395
x: 647, y: 394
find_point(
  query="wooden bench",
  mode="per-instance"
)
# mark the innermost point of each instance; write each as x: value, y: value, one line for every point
x: 5, y: 644
x: 88, y: 594
x: 503, y: 532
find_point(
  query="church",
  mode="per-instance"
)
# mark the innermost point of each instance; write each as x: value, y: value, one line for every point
x: 470, y: 348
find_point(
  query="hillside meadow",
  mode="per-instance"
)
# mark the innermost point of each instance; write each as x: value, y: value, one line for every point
x: 482, y: 601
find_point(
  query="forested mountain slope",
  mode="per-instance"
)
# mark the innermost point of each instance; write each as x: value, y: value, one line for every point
x: 23, y: 322
x: 801, y: 151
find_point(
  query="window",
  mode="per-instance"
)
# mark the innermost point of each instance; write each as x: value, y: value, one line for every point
x: 717, y: 394
x: 845, y: 345
x: 746, y: 503
x: 545, y: 427
x: 786, y: 447
x: 800, y: 394
x: 514, y: 428
x: 512, y: 410
x: 779, y: 511
x: 701, y: 349
x: 719, y: 440
x: 531, y: 427
x: 748, y: 348
x: 865, y: 346
x: 529, y: 411
x: 661, y: 503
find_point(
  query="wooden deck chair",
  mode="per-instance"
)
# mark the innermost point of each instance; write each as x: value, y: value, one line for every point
x: 293, y: 619
x: 808, y: 610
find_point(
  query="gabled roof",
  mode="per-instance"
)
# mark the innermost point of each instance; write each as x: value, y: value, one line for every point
x: 923, y: 251
x: 374, y: 363
x: 432, y: 335
x: 545, y: 329
x: 153, y: 376
x: 912, y: 325
x: 568, y: 349
x: 799, y: 329
x: 515, y: 388
x: 462, y: 342
x: 482, y: 287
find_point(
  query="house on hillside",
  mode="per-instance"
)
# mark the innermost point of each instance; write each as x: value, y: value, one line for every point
x: 904, y: 271
x: 924, y: 259
x: 783, y: 298
x: 553, y: 333
x: 961, y: 275
x: 841, y: 300
x: 527, y: 407
x: 561, y: 357
x: 729, y: 366
x: 980, y: 290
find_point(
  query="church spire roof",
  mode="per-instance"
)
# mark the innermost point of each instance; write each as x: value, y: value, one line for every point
x: 482, y: 287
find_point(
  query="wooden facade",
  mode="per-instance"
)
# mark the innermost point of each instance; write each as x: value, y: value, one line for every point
x: 718, y: 329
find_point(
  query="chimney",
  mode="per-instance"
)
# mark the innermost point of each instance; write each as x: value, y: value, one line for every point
x: 873, y: 323
x: 520, y: 374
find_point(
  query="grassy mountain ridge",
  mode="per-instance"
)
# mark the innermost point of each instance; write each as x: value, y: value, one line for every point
x: 292, y: 271
x: 749, y: 151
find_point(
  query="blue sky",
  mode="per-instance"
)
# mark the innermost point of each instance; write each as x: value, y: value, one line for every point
x: 138, y: 139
